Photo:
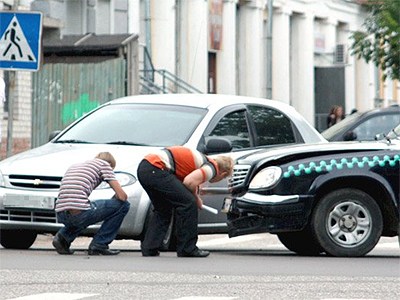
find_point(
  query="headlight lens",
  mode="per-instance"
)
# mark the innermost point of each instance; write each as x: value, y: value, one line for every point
x: 266, y: 178
x: 123, y: 178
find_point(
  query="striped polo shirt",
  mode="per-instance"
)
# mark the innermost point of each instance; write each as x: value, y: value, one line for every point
x: 182, y: 161
x: 79, y: 181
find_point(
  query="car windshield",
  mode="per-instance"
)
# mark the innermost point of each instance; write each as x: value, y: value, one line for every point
x: 136, y: 124
x: 332, y: 131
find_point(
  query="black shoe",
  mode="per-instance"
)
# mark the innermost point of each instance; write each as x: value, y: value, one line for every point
x: 196, y: 253
x: 150, y: 252
x: 61, y: 245
x: 101, y: 251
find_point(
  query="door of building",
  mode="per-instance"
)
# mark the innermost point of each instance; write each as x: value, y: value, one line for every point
x: 212, y: 73
x: 329, y: 91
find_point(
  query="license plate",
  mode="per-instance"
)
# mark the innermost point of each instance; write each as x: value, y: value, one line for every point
x: 227, y: 205
x: 28, y: 201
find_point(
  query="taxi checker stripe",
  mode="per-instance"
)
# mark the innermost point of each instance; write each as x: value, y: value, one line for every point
x: 327, y: 166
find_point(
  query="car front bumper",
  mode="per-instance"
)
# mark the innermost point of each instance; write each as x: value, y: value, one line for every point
x: 255, y: 213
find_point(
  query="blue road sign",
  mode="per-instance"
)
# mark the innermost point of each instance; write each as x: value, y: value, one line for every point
x: 20, y: 40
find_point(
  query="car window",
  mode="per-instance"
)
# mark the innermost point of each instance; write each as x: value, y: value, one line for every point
x: 272, y: 126
x: 140, y: 124
x: 376, y: 125
x: 234, y: 128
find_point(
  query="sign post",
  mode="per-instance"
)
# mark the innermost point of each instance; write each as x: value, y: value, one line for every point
x: 20, y: 49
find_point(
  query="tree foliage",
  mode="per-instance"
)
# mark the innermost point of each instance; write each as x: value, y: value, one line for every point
x: 380, y: 42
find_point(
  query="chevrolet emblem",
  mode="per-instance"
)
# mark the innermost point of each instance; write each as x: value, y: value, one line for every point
x: 37, y: 182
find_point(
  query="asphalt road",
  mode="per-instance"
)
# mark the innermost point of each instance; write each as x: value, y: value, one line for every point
x: 248, y: 267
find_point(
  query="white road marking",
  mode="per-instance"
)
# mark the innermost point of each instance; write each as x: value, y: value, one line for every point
x: 239, y: 239
x: 350, y: 299
x: 54, y: 296
x: 205, y: 298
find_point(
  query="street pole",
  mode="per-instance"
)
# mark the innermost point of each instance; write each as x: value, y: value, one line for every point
x: 269, y: 49
x: 11, y: 96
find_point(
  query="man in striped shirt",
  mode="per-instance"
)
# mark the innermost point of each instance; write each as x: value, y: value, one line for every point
x: 171, y: 178
x: 76, y: 212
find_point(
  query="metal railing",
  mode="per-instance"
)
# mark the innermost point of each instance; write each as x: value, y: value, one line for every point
x: 153, y: 81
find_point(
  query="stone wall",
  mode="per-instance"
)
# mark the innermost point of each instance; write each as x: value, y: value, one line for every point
x: 20, y: 94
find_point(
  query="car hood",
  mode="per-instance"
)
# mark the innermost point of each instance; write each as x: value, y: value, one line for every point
x: 312, y: 149
x: 53, y: 159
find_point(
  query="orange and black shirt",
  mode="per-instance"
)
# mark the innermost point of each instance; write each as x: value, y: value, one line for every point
x: 182, y: 161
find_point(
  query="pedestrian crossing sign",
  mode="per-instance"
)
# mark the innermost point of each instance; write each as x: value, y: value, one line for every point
x: 20, y: 40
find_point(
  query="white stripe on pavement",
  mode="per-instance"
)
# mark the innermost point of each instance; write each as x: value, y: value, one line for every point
x: 54, y: 296
x: 205, y: 298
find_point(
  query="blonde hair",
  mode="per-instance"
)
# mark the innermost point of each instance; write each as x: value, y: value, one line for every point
x: 225, y: 164
x: 107, y: 156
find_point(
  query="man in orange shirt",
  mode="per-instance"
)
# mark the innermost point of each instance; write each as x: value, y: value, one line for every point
x: 171, y: 178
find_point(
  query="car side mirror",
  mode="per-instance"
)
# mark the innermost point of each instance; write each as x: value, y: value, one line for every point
x: 379, y: 136
x: 218, y: 145
x: 53, y: 134
x: 350, y: 136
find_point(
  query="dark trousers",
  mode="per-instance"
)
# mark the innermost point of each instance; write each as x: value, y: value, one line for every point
x: 166, y: 193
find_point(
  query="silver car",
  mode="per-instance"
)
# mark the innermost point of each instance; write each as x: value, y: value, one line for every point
x: 129, y: 128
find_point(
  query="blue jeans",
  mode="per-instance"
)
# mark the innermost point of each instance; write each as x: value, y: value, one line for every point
x: 111, y: 212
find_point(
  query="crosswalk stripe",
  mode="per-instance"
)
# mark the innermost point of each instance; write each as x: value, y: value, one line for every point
x: 54, y: 296
x: 205, y: 298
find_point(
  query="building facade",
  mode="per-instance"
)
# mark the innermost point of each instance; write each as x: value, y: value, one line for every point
x: 295, y: 51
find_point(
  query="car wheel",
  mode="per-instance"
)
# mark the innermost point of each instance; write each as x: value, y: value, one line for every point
x: 17, y: 239
x: 301, y: 242
x: 347, y: 222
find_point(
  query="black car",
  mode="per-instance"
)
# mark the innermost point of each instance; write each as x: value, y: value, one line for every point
x: 364, y: 126
x: 338, y: 198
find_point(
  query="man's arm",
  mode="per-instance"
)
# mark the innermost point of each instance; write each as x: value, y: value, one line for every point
x: 192, y: 182
x: 119, y: 192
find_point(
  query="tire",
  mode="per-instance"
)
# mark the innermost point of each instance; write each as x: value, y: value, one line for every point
x: 301, y: 242
x: 17, y: 239
x: 347, y: 222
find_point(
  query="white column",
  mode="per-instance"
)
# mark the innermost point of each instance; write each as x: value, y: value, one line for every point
x: 281, y: 55
x: 252, y: 62
x: 163, y: 34
x: 194, y: 49
x: 134, y: 16
x: 302, y: 75
x: 350, y: 72
x: 226, y: 57
x: 364, y: 82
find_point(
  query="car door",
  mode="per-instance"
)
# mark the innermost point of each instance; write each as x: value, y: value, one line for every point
x: 247, y: 128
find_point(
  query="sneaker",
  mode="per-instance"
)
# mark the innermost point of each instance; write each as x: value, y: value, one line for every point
x: 61, y: 245
x: 195, y: 253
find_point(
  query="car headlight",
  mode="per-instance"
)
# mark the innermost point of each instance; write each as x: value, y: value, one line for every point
x: 266, y: 178
x: 123, y: 178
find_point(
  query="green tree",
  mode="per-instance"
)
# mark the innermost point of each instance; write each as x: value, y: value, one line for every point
x: 380, y: 42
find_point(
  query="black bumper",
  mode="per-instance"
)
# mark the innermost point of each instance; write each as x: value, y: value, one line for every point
x: 256, y: 214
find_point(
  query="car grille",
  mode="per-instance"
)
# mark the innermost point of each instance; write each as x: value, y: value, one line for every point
x: 28, y: 216
x: 239, y: 175
x: 35, y: 182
